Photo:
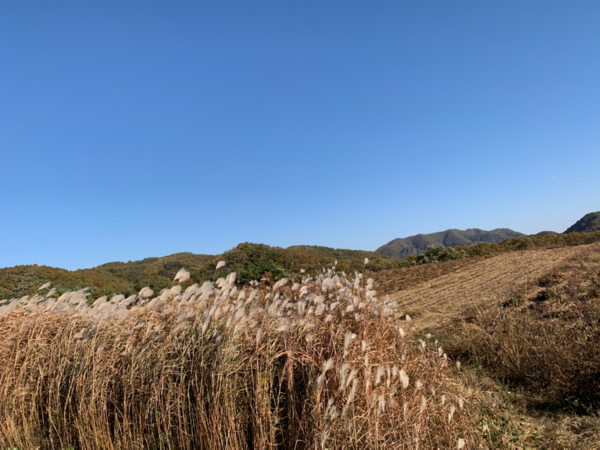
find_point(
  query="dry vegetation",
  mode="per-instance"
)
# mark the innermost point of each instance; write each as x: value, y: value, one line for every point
x: 469, y: 287
x: 318, y: 363
x: 391, y: 281
x: 526, y: 326
x: 542, y: 342
x: 546, y: 337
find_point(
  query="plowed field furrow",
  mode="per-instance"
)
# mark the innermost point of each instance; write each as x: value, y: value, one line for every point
x: 439, y: 301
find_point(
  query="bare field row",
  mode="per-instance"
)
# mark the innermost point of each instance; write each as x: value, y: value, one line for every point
x: 456, y: 289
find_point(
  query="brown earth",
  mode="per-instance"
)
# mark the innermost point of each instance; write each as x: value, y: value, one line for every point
x: 436, y: 295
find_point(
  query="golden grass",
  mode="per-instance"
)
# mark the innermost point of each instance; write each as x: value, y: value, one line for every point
x: 465, y: 287
x: 541, y: 344
x: 215, y: 367
x: 545, y: 336
x: 526, y: 326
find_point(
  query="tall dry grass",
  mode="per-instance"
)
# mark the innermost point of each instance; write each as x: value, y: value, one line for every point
x: 544, y: 339
x: 321, y: 363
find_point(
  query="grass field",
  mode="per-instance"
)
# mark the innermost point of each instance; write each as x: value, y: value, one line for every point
x: 497, y: 352
x: 318, y: 363
x: 526, y: 326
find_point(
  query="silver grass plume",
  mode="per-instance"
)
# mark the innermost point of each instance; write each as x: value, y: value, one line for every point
x: 280, y: 283
x: 351, y: 377
x: 146, y: 292
x: 352, y: 393
x: 378, y: 374
x: 403, y: 378
x: 348, y: 338
x: 451, y: 413
x: 45, y: 286
x: 182, y: 276
x: 326, y: 366
x: 344, y: 368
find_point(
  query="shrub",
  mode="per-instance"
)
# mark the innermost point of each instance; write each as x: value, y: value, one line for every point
x: 440, y: 253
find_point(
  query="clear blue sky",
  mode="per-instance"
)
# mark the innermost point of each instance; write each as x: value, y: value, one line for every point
x: 131, y: 129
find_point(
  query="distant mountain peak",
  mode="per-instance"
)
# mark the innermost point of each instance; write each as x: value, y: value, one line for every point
x: 589, y: 222
x: 416, y: 245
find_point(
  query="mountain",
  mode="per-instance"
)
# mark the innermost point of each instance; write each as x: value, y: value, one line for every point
x: 589, y: 222
x: 416, y: 245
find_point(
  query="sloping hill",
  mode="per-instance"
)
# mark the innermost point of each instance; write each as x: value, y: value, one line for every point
x: 336, y: 252
x: 436, y: 294
x: 249, y: 261
x: 126, y: 278
x: 523, y: 319
x: 589, y: 222
x: 416, y: 245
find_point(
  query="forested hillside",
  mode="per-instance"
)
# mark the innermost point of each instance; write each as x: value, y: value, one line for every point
x: 417, y: 245
x: 126, y: 278
x: 589, y: 222
x: 250, y: 261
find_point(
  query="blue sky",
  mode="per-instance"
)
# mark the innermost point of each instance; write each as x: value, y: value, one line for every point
x: 144, y: 128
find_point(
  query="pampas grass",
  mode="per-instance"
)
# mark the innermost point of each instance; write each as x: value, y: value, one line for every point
x: 222, y: 366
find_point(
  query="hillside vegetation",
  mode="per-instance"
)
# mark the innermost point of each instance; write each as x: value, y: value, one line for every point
x: 107, y: 279
x: 588, y: 223
x: 544, y: 335
x: 253, y: 261
x: 491, y: 345
x: 336, y: 252
x: 526, y: 326
x: 316, y: 362
x: 250, y: 261
x: 550, y: 240
x: 417, y: 245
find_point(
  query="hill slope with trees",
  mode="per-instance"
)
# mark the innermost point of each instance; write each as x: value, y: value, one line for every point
x: 254, y: 261
x: 417, y: 245
x: 588, y: 223
x: 250, y: 261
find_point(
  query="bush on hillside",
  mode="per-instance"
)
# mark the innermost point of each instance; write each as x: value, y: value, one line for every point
x: 530, y: 242
x: 440, y: 253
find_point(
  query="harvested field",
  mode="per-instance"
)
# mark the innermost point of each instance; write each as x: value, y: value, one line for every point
x: 456, y: 290
x: 526, y: 325
x: 389, y: 281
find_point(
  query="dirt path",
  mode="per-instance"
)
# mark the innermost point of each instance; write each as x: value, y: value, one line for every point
x: 441, y: 300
